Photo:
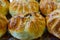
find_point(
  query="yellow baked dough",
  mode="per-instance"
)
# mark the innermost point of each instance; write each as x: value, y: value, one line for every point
x: 4, y: 4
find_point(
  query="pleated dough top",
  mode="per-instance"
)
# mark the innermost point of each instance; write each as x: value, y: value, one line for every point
x: 28, y: 27
x: 47, y: 6
x: 23, y: 6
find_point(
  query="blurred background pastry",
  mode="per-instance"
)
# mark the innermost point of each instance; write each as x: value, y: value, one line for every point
x: 23, y: 6
x: 53, y: 23
x: 30, y: 26
x: 3, y: 25
x: 4, y: 4
x: 47, y: 6
x: 57, y: 1
x: 58, y: 5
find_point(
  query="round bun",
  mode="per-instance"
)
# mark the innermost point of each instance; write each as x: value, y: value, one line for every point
x: 47, y: 6
x: 30, y: 26
x: 4, y: 4
x: 3, y: 25
x: 53, y: 23
x: 23, y: 6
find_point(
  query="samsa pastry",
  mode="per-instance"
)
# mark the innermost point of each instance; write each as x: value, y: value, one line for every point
x: 53, y: 23
x: 23, y: 6
x: 30, y: 26
x: 3, y: 25
x: 47, y: 6
x: 4, y: 4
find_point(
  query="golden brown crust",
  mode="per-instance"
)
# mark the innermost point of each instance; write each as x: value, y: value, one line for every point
x: 33, y: 24
x: 3, y: 25
x: 53, y: 23
x: 23, y: 7
x: 47, y: 6
x: 4, y: 5
x: 14, y: 22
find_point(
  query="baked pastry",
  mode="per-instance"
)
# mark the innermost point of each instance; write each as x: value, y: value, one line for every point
x: 30, y: 26
x: 3, y: 25
x: 23, y: 6
x: 4, y: 4
x: 47, y: 6
x: 53, y: 23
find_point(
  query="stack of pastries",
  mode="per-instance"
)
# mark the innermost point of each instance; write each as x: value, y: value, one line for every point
x: 27, y: 22
x: 51, y: 9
